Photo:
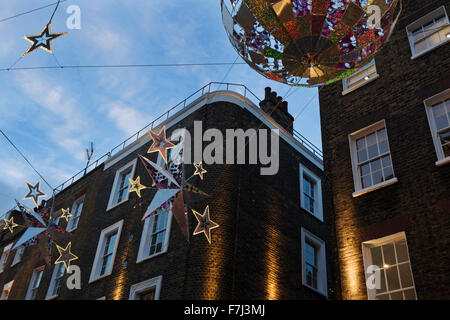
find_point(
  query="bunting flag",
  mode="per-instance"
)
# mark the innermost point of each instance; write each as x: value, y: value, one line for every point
x: 30, y: 212
x: 179, y: 211
x: 29, y: 234
x: 161, y: 197
x: 162, y: 171
x: 191, y: 188
x: 151, y: 171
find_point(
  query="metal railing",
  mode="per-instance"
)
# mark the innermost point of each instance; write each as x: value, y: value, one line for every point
x: 210, y: 87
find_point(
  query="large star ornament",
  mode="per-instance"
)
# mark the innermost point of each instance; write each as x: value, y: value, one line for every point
x: 34, y: 192
x: 160, y: 143
x: 65, y: 256
x: 43, y: 40
x: 66, y: 214
x: 205, y: 224
x: 10, y: 224
x: 136, y: 186
x: 199, y: 170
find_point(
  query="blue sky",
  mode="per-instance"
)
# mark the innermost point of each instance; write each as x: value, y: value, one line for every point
x: 52, y: 115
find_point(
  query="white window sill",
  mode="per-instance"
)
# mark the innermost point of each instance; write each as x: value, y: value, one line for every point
x: 314, y: 215
x: 15, y: 264
x: 316, y: 290
x: 442, y: 162
x: 72, y: 229
x: 142, y: 259
x: 52, y: 297
x: 101, y: 277
x: 374, y: 187
x: 360, y: 85
x: 415, y: 56
x: 116, y: 205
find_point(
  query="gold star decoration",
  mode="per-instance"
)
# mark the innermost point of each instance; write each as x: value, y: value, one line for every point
x: 10, y: 224
x: 136, y: 186
x: 65, y: 256
x: 34, y: 192
x: 205, y: 224
x: 199, y: 170
x: 160, y: 143
x: 43, y: 40
x: 66, y: 214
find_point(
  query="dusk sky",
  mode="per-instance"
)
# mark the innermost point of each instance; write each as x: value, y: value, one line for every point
x: 52, y: 115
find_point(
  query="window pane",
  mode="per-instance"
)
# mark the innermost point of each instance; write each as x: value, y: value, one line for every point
x: 382, y: 297
x: 382, y: 282
x: 382, y: 140
x: 405, y: 275
x: 397, y: 295
x: 361, y: 144
x: 105, y: 264
x: 372, y: 146
x: 386, y: 161
x: 440, y: 116
x: 388, y: 173
x: 376, y: 256
x: 402, y: 251
x: 310, y: 254
x: 392, y: 278
x: 366, y: 181
x: 377, y: 177
x: 306, y: 202
x: 365, y: 169
x: 110, y: 243
x: 362, y: 155
x: 410, y: 294
x: 375, y: 165
x: 389, y: 254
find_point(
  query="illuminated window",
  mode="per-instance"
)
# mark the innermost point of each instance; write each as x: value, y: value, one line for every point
x: 155, y: 234
x: 75, y: 212
x: 6, y: 290
x: 146, y: 290
x: 119, y: 190
x: 389, y: 261
x: 366, y: 74
x: 4, y: 258
x: 371, y: 158
x: 56, y: 281
x: 34, y: 283
x: 18, y: 256
x: 438, y: 113
x: 429, y: 32
x: 311, y: 192
x: 314, y: 264
x: 106, y: 251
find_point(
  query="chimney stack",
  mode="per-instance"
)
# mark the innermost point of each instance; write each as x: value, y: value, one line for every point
x: 275, y: 107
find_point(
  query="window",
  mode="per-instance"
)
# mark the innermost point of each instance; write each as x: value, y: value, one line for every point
x: 56, y: 281
x: 18, y: 256
x: 4, y: 258
x: 371, y: 159
x: 106, y: 251
x: 146, y: 290
x: 34, y: 283
x: 438, y: 113
x: 6, y: 290
x: 428, y: 32
x: 155, y: 234
x: 76, y: 210
x: 366, y: 74
x: 119, y: 191
x: 314, y: 262
x: 311, y: 193
x: 390, y: 260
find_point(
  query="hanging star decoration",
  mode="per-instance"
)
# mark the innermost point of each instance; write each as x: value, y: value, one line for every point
x: 205, y: 224
x: 199, y: 171
x: 43, y: 40
x: 65, y: 255
x: 10, y: 224
x: 34, y: 192
x: 136, y: 186
x: 66, y: 214
x: 160, y: 143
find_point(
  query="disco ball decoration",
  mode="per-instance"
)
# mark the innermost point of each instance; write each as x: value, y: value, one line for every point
x: 309, y: 42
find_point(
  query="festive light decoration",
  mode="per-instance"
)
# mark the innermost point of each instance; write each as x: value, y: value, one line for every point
x: 136, y: 186
x: 160, y: 143
x: 199, y: 170
x: 34, y: 192
x: 205, y: 224
x: 309, y: 42
x: 10, y: 224
x: 65, y: 255
x: 161, y: 197
x: 44, y: 40
x: 66, y: 214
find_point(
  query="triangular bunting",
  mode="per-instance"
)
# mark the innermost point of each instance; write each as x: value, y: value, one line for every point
x: 161, y: 196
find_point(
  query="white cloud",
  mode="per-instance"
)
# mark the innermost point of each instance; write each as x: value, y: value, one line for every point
x: 127, y: 119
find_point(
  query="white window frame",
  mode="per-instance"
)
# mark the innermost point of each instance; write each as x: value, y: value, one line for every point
x: 131, y: 164
x: 144, y: 246
x: 429, y: 103
x: 35, y: 274
x: 18, y: 255
x: 426, y: 19
x: 354, y: 158
x: 318, y: 205
x: 8, y: 287
x: 143, y: 286
x: 70, y: 224
x: 361, y: 74
x: 101, y: 298
x: 96, y: 267
x: 50, y: 295
x: 367, y: 259
x: 5, y: 255
x: 322, y: 280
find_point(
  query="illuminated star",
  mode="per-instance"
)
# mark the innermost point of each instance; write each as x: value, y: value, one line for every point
x: 65, y: 256
x: 136, y: 186
x: 160, y: 143
x: 34, y: 192
x: 199, y: 170
x: 205, y: 224
x: 10, y: 224
x: 66, y: 214
x: 43, y: 40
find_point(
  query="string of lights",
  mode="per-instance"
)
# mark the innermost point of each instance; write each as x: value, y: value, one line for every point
x: 31, y: 11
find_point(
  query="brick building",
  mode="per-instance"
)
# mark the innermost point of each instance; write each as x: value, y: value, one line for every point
x: 385, y: 135
x: 274, y: 236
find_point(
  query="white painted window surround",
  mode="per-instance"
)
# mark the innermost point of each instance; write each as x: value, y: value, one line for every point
x: 35, y: 281
x: 76, y: 211
x: 311, y: 200
x: 56, y: 281
x: 18, y: 255
x: 141, y: 287
x: 320, y: 265
x: 5, y: 255
x: 6, y: 290
x: 363, y: 76
x: 119, y: 191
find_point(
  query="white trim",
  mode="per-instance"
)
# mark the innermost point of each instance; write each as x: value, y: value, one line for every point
x: 318, y: 205
x: 70, y: 222
x: 49, y: 295
x: 116, y: 227
x: 442, y: 162
x: 101, y: 298
x: 145, y: 285
x: 18, y: 255
x: 5, y: 255
x: 322, y: 280
x: 8, y: 287
x: 32, y: 280
x: 375, y: 187
x: 119, y: 171
x: 362, y: 75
